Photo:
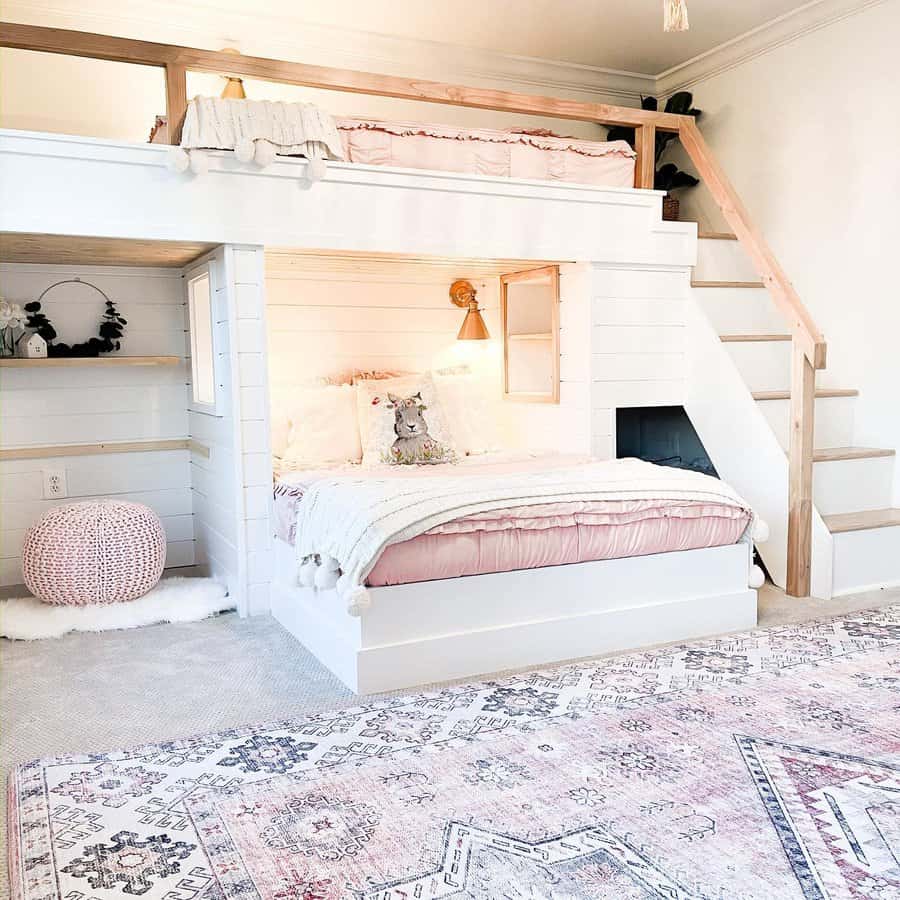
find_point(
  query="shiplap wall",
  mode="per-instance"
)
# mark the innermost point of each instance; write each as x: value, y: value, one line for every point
x: 621, y: 337
x: 329, y: 314
x: 90, y: 405
x: 233, y: 487
x: 637, y: 340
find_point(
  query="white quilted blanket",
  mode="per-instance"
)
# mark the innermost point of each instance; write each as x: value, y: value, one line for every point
x: 344, y: 523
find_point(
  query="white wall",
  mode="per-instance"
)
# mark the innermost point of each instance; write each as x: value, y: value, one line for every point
x: 40, y: 407
x: 808, y: 132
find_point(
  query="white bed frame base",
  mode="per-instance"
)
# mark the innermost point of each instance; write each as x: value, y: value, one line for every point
x: 432, y: 631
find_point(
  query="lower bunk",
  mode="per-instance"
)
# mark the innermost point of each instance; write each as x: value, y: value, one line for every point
x: 424, y: 632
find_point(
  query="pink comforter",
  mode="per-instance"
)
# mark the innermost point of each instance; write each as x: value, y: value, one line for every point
x: 549, y: 534
x: 482, y: 151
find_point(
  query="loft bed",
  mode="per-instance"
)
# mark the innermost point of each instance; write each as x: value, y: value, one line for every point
x: 429, y: 629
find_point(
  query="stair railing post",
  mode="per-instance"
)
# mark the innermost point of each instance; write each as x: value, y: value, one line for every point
x: 800, y: 501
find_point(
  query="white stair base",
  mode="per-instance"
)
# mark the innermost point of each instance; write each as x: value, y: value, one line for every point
x: 740, y: 310
x: 866, y: 560
x: 853, y: 485
x: 834, y: 420
x: 723, y: 261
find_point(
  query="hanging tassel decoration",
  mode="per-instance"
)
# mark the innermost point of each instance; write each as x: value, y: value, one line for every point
x: 675, y: 15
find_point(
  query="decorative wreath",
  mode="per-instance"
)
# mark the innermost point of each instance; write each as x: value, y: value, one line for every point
x: 111, y: 328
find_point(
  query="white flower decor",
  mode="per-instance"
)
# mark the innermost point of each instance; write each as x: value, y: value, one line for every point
x: 12, y: 321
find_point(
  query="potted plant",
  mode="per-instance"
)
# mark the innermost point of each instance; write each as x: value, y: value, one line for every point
x: 668, y: 176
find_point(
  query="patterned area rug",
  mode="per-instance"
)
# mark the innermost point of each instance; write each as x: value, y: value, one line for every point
x: 764, y: 765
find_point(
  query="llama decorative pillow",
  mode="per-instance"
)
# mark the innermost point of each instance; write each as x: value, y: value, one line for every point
x: 402, y: 423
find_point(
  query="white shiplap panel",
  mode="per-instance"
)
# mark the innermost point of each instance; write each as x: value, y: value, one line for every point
x: 619, y: 311
x: 89, y: 405
x: 172, y: 502
x: 640, y: 283
x: 22, y: 431
x: 146, y: 399
x: 637, y: 366
x: 625, y: 339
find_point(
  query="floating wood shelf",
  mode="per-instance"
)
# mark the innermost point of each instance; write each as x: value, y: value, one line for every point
x: 48, y: 452
x: 536, y: 336
x: 716, y: 236
x: 60, y: 361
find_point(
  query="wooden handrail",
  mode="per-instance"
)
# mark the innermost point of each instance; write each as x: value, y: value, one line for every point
x: 809, y: 345
x: 803, y: 328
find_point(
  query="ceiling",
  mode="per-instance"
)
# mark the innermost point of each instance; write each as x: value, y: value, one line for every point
x: 615, y: 35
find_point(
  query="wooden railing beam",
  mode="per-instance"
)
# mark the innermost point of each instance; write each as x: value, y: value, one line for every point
x: 148, y: 53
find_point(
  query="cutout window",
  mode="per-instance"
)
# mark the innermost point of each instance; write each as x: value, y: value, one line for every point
x: 204, y: 384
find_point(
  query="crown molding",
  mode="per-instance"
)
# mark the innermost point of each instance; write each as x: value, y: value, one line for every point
x: 188, y: 24
x: 759, y: 41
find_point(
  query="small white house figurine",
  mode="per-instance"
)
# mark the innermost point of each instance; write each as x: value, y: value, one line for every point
x: 31, y: 346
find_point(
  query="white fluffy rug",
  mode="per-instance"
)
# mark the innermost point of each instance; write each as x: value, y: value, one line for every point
x: 172, y: 600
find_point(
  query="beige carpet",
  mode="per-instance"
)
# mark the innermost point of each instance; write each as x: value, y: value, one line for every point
x: 89, y: 692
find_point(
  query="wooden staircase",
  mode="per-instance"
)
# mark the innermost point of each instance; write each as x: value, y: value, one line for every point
x: 850, y: 485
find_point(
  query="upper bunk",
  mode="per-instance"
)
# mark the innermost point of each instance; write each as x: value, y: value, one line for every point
x: 64, y: 184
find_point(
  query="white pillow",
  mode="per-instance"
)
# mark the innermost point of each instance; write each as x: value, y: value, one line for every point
x: 402, y: 423
x: 323, y: 427
x: 473, y: 410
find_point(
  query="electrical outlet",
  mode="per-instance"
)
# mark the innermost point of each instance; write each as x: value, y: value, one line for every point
x: 55, y: 487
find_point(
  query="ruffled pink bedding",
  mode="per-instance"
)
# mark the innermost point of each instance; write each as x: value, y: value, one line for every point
x: 512, y: 154
x: 548, y: 534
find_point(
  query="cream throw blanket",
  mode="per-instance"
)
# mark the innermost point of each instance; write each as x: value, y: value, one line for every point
x: 345, y: 523
x: 260, y: 129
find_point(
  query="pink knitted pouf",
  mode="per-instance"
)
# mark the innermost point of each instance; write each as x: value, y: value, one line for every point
x: 102, y: 551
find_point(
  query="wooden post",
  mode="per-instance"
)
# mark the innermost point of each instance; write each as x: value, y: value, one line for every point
x: 176, y: 99
x: 645, y: 164
x: 800, y: 502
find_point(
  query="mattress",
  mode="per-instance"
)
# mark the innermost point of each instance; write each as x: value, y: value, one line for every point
x: 537, y: 155
x: 549, y: 534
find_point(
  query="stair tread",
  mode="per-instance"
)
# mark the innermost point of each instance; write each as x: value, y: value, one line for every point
x: 833, y: 454
x: 863, y: 520
x: 727, y: 284
x: 751, y: 338
x: 716, y: 236
x: 820, y: 392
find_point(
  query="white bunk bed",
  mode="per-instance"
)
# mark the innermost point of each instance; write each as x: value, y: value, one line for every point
x: 457, y: 627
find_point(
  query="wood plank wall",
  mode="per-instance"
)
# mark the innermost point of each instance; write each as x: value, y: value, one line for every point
x: 90, y: 405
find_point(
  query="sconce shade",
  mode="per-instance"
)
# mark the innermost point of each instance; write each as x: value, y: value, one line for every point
x: 234, y: 89
x: 462, y: 293
x: 473, y: 327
